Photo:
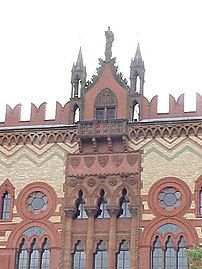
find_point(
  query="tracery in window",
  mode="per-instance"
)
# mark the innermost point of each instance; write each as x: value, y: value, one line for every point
x: 80, y: 209
x: 33, y: 256
x: 124, y: 205
x: 101, y: 256
x: 79, y: 257
x: 123, y: 256
x: 37, y: 202
x: 6, y: 204
x: 105, y: 105
x: 170, y: 257
x: 102, y: 205
x: 169, y: 198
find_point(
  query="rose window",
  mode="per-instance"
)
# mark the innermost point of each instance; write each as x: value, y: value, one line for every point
x: 37, y: 202
x: 169, y: 198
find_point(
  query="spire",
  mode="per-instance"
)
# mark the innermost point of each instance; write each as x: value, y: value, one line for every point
x: 137, y: 70
x: 78, y: 79
x: 138, y: 55
x: 79, y: 62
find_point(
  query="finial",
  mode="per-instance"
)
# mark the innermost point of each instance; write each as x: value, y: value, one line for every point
x: 109, y: 40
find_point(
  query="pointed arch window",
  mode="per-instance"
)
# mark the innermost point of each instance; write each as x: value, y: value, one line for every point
x: 22, y: 256
x: 80, y: 207
x: 29, y: 257
x: 102, y: 205
x: 76, y: 115
x: 157, y: 255
x: 79, y: 257
x: 101, y: 257
x: 123, y: 257
x: 136, y: 112
x: 45, y: 255
x: 105, y: 105
x: 171, y: 257
x: 124, y: 206
x: 6, y: 204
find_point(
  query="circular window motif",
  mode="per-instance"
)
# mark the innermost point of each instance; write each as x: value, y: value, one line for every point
x: 37, y: 202
x: 169, y: 198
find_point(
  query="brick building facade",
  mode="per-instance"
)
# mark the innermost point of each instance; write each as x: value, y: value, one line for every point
x: 119, y: 188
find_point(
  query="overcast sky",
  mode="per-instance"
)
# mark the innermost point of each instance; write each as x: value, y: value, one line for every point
x: 40, y: 40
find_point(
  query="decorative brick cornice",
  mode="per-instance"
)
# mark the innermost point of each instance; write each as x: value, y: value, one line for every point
x: 181, y: 128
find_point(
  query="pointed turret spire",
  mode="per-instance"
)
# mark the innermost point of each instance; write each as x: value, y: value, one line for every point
x: 138, y: 55
x: 137, y: 70
x: 79, y: 62
x: 78, y: 76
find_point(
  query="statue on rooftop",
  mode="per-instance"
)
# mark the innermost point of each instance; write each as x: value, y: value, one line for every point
x: 109, y: 40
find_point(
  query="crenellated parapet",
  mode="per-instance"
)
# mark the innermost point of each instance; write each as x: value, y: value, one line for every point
x: 37, y: 115
x: 176, y: 108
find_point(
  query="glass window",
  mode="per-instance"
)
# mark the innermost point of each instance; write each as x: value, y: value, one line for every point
x: 110, y: 113
x: 170, y: 254
x: 123, y: 257
x: 100, y: 113
x: 102, y: 205
x: 170, y: 258
x: 34, y: 256
x: 80, y: 209
x: 124, y: 205
x: 101, y: 257
x: 169, y: 199
x: 22, y: 256
x: 37, y: 202
x: 79, y: 257
x: 6, y: 202
x: 157, y: 255
x: 29, y: 257
x: 45, y: 256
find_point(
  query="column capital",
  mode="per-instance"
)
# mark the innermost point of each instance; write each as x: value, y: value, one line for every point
x: 91, y: 210
x: 70, y: 212
x: 113, y: 210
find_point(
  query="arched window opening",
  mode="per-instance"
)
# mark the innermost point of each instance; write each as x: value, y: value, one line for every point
x: 102, y: 205
x: 170, y: 257
x: 79, y: 257
x: 182, y: 258
x: 22, y: 256
x: 33, y: 256
x: 200, y: 202
x: 76, y: 114
x: 101, y: 257
x: 105, y: 105
x: 136, y: 112
x: 157, y: 255
x: 124, y: 205
x: 170, y: 254
x: 138, y: 84
x: 80, y: 207
x: 45, y: 256
x: 6, y: 203
x: 123, y: 256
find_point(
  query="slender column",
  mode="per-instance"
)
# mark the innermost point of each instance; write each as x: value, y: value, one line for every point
x: 113, y: 211
x: 67, y: 240
x: 134, y: 237
x: 91, y: 211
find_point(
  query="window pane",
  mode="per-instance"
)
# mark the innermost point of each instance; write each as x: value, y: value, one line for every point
x: 157, y: 255
x: 170, y: 255
x: 6, y: 201
x: 111, y: 113
x: 100, y: 113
